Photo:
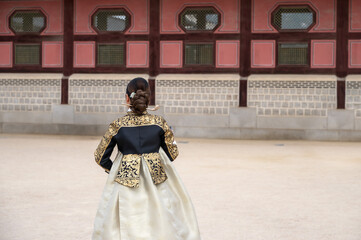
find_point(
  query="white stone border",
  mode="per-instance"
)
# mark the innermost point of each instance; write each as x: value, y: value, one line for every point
x: 102, y: 76
x: 291, y: 77
x: 31, y: 75
x: 198, y: 77
x: 354, y: 78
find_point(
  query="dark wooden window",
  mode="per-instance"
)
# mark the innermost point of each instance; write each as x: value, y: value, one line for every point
x: 110, y: 55
x: 293, y: 54
x: 199, y: 54
x: 199, y: 19
x: 111, y: 20
x: 27, y: 54
x: 293, y: 18
x: 27, y: 21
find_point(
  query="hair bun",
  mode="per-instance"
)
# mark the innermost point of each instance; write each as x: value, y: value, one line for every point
x: 140, y: 101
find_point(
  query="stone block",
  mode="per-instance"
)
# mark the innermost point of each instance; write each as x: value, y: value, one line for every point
x: 341, y: 119
x: 242, y: 117
x: 193, y: 120
x: 207, y: 132
x: 26, y: 117
x: 292, y: 122
x: 350, y: 135
x: 95, y: 118
x: 63, y: 114
x: 358, y: 124
x: 321, y: 135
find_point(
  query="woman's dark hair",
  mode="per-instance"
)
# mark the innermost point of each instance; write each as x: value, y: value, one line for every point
x: 139, y: 102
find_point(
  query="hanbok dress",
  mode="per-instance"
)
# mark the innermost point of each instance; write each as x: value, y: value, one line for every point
x: 144, y: 197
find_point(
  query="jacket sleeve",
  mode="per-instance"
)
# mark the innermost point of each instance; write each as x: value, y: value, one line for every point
x: 105, y: 148
x: 168, y: 143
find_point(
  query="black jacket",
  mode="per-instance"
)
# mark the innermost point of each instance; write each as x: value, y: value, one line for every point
x: 137, y: 136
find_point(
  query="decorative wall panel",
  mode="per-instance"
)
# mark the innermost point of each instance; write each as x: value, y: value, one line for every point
x: 137, y: 54
x: 171, y: 54
x: 6, y: 56
x: 263, y: 54
x: 84, y: 54
x: 227, y: 54
x: 139, y: 11
x: 355, y: 16
x: 325, y: 14
x: 354, y: 51
x: 170, y: 10
x: 52, y: 54
x: 323, y: 54
x: 53, y: 10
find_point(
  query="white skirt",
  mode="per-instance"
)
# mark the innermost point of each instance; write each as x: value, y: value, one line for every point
x: 150, y: 212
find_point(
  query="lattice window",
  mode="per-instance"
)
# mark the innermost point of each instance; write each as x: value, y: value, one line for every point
x: 27, y: 22
x: 28, y: 54
x: 199, y: 19
x: 293, y: 54
x: 111, y: 20
x: 293, y: 18
x: 110, y: 54
x: 199, y: 54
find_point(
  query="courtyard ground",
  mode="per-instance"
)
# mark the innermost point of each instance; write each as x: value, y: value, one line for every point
x: 50, y: 187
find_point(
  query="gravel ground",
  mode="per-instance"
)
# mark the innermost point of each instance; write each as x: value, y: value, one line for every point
x: 242, y: 190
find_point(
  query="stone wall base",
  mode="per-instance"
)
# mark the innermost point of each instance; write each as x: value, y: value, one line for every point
x: 241, y: 123
x: 192, y: 132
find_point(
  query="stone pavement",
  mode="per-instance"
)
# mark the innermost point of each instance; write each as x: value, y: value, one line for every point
x: 242, y: 190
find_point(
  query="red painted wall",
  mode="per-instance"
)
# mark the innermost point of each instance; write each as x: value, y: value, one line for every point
x: 171, y: 54
x: 84, y: 54
x: 137, y: 54
x: 354, y: 51
x: 323, y: 53
x: 170, y: 10
x: 6, y: 59
x: 52, y: 54
x: 84, y: 9
x: 227, y: 54
x: 355, y: 16
x: 53, y: 9
x: 263, y: 53
x: 325, y: 11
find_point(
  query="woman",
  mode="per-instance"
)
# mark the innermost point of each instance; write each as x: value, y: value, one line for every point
x: 144, y: 197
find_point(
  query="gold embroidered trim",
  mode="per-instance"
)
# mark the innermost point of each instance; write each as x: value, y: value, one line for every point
x: 169, y: 141
x: 155, y: 167
x: 131, y: 120
x: 112, y: 131
x: 131, y: 167
x: 129, y: 170
x: 129, y: 174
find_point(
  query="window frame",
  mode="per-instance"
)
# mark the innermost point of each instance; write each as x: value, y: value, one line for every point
x: 278, y: 43
x: 293, y: 6
x: 111, y: 32
x: 24, y: 64
x: 110, y: 65
x: 28, y: 33
x: 199, y: 31
x: 213, y: 65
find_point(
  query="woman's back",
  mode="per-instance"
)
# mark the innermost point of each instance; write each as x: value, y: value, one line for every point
x: 137, y: 136
x: 144, y: 197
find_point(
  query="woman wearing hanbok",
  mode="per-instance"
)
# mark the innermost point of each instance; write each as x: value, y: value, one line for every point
x: 144, y: 198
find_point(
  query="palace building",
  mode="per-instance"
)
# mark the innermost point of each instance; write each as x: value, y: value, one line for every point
x: 243, y: 69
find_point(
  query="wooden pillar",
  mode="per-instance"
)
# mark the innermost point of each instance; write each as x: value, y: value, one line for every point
x: 154, y: 38
x: 245, y: 49
x: 342, y: 50
x: 67, y: 49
